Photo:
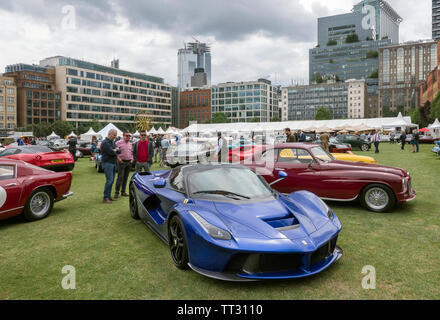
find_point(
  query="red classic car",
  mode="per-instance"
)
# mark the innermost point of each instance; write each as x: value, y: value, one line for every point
x: 311, y: 168
x: 241, y: 153
x: 41, y: 156
x: 27, y: 189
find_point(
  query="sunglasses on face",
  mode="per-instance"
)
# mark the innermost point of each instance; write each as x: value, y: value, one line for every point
x: 143, y: 135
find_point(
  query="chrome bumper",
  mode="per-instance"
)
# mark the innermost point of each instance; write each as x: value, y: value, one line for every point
x: 67, y: 195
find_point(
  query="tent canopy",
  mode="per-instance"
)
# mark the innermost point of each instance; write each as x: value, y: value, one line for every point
x: 53, y: 135
x: 88, y: 136
x: 72, y: 135
x: 104, y: 132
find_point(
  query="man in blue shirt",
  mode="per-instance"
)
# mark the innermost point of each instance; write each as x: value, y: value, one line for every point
x: 165, y: 144
x: 302, y: 136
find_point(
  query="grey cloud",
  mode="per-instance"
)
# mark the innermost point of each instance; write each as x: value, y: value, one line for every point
x: 226, y: 20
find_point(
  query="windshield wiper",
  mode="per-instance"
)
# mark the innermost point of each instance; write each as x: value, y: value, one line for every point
x: 223, y: 192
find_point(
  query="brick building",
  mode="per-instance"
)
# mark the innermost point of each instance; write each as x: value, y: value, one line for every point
x: 37, y: 98
x: 195, y: 105
x: 8, y: 103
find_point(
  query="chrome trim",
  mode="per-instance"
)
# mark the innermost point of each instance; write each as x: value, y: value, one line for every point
x: 11, y: 210
x: 67, y: 195
x: 340, y: 200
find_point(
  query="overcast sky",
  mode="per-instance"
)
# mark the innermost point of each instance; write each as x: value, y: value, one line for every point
x: 249, y: 38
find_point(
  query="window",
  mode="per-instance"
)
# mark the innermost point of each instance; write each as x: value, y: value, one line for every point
x: 177, y: 181
x: 294, y: 156
x: 7, y: 172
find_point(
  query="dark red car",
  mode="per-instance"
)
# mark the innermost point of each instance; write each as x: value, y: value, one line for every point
x: 30, y: 190
x: 311, y: 168
x: 241, y: 153
x: 41, y: 156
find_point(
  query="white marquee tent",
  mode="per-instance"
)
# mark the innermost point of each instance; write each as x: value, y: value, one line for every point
x: 321, y: 125
x: 104, y: 132
x: 90, y: 134
x: 53, y: 136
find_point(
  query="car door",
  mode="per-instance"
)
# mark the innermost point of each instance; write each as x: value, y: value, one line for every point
x: 302, y: 169
x: 10, y: 191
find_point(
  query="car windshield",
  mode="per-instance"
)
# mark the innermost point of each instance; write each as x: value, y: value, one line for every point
x: 230, y: 182
x: 322, y: 155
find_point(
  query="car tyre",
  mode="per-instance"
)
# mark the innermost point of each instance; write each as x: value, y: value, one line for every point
x: 378, y: 198
x: 177, y: 242
x: 134, y: 213
x: 39, y: 205
x: 365, y: 147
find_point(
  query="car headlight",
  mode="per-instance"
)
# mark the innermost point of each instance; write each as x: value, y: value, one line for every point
x: 330, y: 214
x: 210, y: 229
x: 403, y: 184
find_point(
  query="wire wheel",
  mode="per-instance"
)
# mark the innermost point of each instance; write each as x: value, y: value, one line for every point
x: 365, y: 147
x: 177, y: 241
x: 39, y: 205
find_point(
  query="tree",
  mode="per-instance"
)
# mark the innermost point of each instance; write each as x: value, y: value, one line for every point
x: 332, y: 43
x: 374, y: 75
x: 434, y: 113
x: 256, y: 119
x: 219, y: 117
x: 323, y: 114
x: 275, y: 119
x: 351, y: 38
x: 43, y: 129
x: 372, y: 54
x: 62, y: 128
x: 96, y: 125
x: 317, y: 78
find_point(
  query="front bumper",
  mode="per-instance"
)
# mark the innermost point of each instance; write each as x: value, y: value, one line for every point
x: 301, y: 272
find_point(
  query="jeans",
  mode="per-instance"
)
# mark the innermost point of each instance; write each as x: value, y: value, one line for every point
x: 417, y: 145
x: 156, y: 154
x: 109, y: 171
x: 123, y: 173
x: 144, y: 165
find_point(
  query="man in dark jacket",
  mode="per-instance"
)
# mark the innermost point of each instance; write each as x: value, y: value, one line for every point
x: 403, y: 139
x: 109, y: 152
x: 72, y: 146
x: 143, y: 152
x: 290, y: 137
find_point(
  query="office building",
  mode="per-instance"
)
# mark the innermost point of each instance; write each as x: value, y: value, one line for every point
x: 93, y: 91
x: 343, y: 100
x: 195, y: 105
x: 403, y: 68
x: 348, y: 43
x: 195, y: 55
x: 246, y: 101
x: 436, y: 19
x: 38, y: 100
x: 175, y: 107
x: 8, y: 104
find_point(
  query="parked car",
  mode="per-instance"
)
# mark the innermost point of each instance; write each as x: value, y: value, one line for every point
x: 58, y: 145
x: 353, y: 158
x: 242, y: 153
x: 225, y: 222
x: 355, y: 141
x: 30, y: 190
x: 83, y: 149
x: 311, y: 168
x: 335, y: 146
x: 191, y: 153
x: 41, y: 157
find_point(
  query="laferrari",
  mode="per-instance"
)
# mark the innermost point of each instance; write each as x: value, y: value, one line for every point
x: 225, y: 222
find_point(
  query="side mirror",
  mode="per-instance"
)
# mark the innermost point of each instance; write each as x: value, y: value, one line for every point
x: 282, y: 175
x: 160, y: 183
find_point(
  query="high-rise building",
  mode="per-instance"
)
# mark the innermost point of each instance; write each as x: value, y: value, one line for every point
x: 246, y: 101
x: 93, y: 91
x: 348, y: 43
x: 194, y: 56
x: 436, y: 19
x: 38, y: 100
x: 343, y: 100
x: 403, y: 68
x: 195, y: 105
x: 8, y: 104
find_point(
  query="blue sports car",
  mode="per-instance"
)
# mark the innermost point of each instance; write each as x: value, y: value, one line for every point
x: 225, y: 222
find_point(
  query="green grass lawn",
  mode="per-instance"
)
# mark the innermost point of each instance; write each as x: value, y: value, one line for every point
x: 116, y: 257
